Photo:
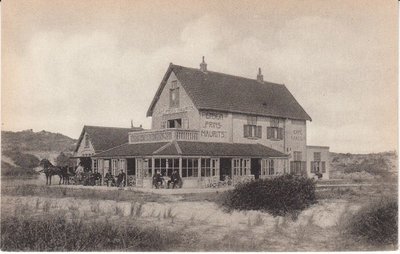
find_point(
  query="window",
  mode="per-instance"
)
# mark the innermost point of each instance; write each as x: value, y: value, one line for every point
x: 318, y: 166
x: 241, y: 167
x: 174, y: 123
x: 205, y: 167
x: 122, y: 164
x: 209, y: 167
x: 166, y: 166
x: 268, y: 167
x: 114, y: 166
x: 87, y: 140
x: 174, y: 95
x: 251, y: 130
x: 190, y: 167
x: 297, y: 166
x: 273, y: 131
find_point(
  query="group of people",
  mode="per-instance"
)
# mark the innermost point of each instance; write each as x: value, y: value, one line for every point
x: 95, y: 177
x: 175, y: 180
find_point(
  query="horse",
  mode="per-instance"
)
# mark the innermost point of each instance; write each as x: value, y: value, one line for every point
x: 66, y: 173
x: 50, y: 170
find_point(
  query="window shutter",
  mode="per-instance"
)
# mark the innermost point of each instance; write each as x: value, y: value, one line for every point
x: 291, y: 167
x: 303, y: 167
x: 323, y: 167
x: 280, y: 133
x: 244, y: 131
x: 259, y: 132
x: 269, y: 132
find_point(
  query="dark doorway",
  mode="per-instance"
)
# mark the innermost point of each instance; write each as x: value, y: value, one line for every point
x: 130, y: 167
x: 225, y: 168
x: 86, y: 163
x: 255, y: 167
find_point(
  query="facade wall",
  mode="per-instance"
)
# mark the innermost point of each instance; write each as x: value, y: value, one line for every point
x: 239, y: 120
x: 215, y: 126
x: 324, y: 152
x: 296, y: 138
x: 186, y: 109
x: 84, y: 150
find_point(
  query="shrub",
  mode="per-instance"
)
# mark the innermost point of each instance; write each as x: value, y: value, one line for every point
x: 282, y: 195
x: 10, y: 170
x: 375, y: 223
x: 22, y: 159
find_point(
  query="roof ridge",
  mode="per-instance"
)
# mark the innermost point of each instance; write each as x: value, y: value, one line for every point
x: 127, y: 143
x: 110, y: 127
x: 231, y: 75
x: 162, y: 147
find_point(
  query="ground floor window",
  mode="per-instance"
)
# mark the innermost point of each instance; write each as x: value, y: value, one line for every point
x: 166, y: 166
x: 190, y: 167
x: 318, y: 166
x: 209, y: 167
x: 241, y: 167
x: 297, y: 167
x: 270, y: 167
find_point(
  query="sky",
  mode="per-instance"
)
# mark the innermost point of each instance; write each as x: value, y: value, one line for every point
x: 71, y: 63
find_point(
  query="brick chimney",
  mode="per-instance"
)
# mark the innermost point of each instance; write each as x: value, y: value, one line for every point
x: 260, y: 77
x: 203, y: 66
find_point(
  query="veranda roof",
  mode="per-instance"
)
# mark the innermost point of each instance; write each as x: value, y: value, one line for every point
x: 186, y: 148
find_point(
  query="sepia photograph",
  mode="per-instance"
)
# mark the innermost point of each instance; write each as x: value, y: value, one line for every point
x: 199, y: 126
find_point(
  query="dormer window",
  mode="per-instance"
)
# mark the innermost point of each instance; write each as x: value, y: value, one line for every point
x: 174, y: 95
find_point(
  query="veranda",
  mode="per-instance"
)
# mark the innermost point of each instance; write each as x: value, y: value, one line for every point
x: 196, y: 171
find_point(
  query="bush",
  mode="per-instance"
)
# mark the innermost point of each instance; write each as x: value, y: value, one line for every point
x: 10, y: 170
x: 22, y: 160
x: 375, y: 223
x: 282, y: 195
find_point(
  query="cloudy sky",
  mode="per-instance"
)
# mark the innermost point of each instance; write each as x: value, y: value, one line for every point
x: 70, y: 63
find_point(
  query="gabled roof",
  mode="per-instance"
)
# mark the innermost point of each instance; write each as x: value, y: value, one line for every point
x: 188, y: 148
x: 104, y: 138
x: 240, y: 95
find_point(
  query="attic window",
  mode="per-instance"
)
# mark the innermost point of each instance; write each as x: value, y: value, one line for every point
x: 86, y: 141
x: 174, y: 95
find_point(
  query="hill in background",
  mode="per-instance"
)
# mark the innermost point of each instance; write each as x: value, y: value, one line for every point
x: 23, y: 150
x: 42, y: 141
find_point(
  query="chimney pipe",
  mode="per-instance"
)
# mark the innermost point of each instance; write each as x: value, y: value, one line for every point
x: 260, y: 77
x: 203, y: 66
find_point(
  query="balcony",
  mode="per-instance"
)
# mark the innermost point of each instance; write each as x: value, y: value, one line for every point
x: 164, y: 135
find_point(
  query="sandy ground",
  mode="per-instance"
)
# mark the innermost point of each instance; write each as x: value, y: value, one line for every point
x: 315, y: 228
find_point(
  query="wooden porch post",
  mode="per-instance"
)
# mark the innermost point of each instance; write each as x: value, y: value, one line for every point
x: 180, y: 166
x: 152, y: 166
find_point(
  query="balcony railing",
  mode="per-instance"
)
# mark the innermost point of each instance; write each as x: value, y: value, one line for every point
x: 163, y: 136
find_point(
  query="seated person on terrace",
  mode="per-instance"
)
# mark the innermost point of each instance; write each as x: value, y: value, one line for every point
x: 157, y: 179
x: 175, y: 180
x: 109, y: 178
x: 121, y: 179
x: 79, y: 172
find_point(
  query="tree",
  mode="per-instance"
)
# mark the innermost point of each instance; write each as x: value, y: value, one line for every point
x: 62, y: 160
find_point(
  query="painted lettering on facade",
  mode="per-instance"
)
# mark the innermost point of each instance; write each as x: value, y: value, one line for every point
x: 297, y: 135
x: 212, y: 125
x: 146, y: 137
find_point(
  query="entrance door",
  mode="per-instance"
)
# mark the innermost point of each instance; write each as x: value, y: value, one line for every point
x: 255, y: 167
x: 131, y: 167
x: 225, y: 168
